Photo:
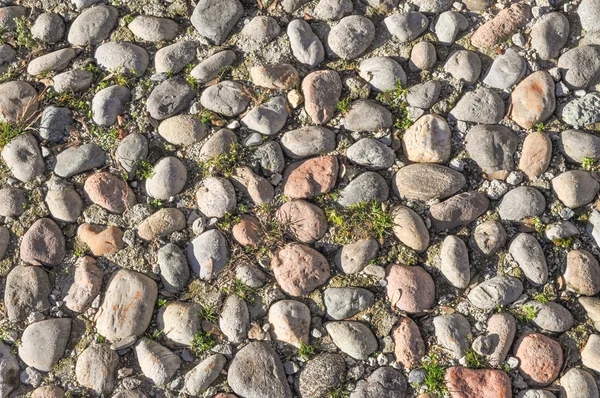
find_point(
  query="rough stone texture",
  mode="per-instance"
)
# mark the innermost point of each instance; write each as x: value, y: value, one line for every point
x: 409, y: 344
x: 410, y: 288
x: 43, y: 343
x: 427, y: 181
x: 464, y: 382
x: 533, y: 100
x: 540, y: 357
x: 299, y: 269
x: 505, y: 23
x: 27, y: 290
x: 459, y: 210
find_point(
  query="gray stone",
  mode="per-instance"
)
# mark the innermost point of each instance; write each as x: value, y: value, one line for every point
x: 76, y: 160
x: 499, y: 290
x: 234, y: 321
x: 322, y: 90
x: 549, y: 35
x: 270, y: 158
x: 73, y: 81
x: 369, y: 186
x: 174, y: 270
x: 354, y: 257
x: 424, y: 95
x: 9, y: 371
x: 448, y: 25
x: 169, y: 98
x: 501, y: 330
x: 261, y: 29
x: 55, y: 123
x: 351, y: 36
x: 325, y: 372
x: 577, y: 145
x: 345, y: 302
x: 290, y: 322
x: 367, y: 115
x: 382, y: 5
x: 158, y: 363
x: 455, y: 262
x: 127, y: 306
x: 561, y: 230
x: 371, y: 154
x: 214, y: 19
x: 256, y: 188
x: 227, y: 98
x: 43, y: 244
x: 452, y: 333
x: 4, y: 240
x: 382, y: 73
x: 108, y: 104
x: 13, y: 202
x: 535, y: 394
x: 7, y: 56
x: 428, y: 140
x: 268, y: 118
x: 251, y: 276
x: 333, y: 10
x: 292, y: 5
x: 96, y: 367
x: 26, y: 291
x: 216, y: 197
x: 433, y: 6
x: 93, y: 25
x: 43, y: 343
x: 204, y: 374
x: 492, y: 147
x: 575, y: 188
x: 257, y: 372
x: 212, y: 66
x: 55, y: 61
x: 17, y: 101
x: 8, y: 16
x: 459, y: 210
x: 48, y: 27
x: 479, y: 106
x: 208, y: 253
x: 423, y: 181
x: 123, y: 57
x: 132, y: 150
x: 580, y: 66
x: 383, y: 382
x: 406, y: 26
x: 169, y: 178
x: 153, y: 29
x: 306, y: 46
x: 506, y: 70
x: 589, y: 15
x: 23, y: 157
x: 179, y: 321
x: 422, y: 56
x: 353, y: 338
x: 551, y: 317
x: 528, y: 254
x: 86, y: 285
x: 308, y: 141
x: 464, y: 65
x: 64, y: 204
x: 582, y: 111
x: 578, y: 383
x: 520, y: 203
x: 81, y: 4
x: 174, y: 58
x: 582, y: 274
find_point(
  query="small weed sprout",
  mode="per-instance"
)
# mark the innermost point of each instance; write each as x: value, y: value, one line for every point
x: 208, y: 314
x: 162, y: 302
x: 396, y: 100
x: 474, y: 360
x: 224, y: 164
x: 434, y: 379
x: 540, y: 127
x: 306, y: 351
x: 10, y: 130
x: 202, y: 342
x: 526, y: 313
x: 343, y: 106
x: 360, y: 221
x: 589, y: 164
x: 338, y: 392
x: 24, y: 38
x: 145, y: 170
x: 243, y: 291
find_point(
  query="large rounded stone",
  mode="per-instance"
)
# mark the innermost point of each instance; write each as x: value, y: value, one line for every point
x: 168, y: 179
x: 427, y: 181
x: 458, y: 211
x: 582, y: 274
x: 43, y: 243
x: 302, y: 220
x: 351, y: 36
x: 492, y: 147
x: 299, y: 269
x: 352, y: 338
x: 499, y: 290
x: 540, y: 358
x: 533, y: 100
x: 410, y: 288
x: 208, y: 254
x: 428, y: 140
x: 455, y: 262
x: 410, y: 229
x: 520, y: 203
x: 311, y: 177
x: 290, y: 322
x: 43, y: 343
x: 26, y: 291
x: 96, y: 367
x: 575, y: 188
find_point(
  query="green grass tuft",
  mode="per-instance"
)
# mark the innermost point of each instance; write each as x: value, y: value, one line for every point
x: 434, y: 379
x: 9, y: 130
x: 202, y: 342
x: 360, y: 221
x: 306, y: 351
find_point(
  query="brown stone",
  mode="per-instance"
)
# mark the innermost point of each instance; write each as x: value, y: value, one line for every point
x: 86, y: 285
x: 43, y: 243
x: 247, y: 232
x: 110, y: 192
x: 536, y: 154
x: 501, y: 329
x: 258, y: 189
x: 162, y: 223
x: 501, y: 26
x: 322, y: 90
x: 101, y: 239
x: 459, y: 211
x: 410, y: 347
x: 533, y: 100
x: 311, y: 177
x: 299, y: 269
x: 474, y: 383
x: 275, y: 77
x: 582, y: 274
x: 303, y: 221
x: 540, y: 358
x: 410, y: 229
x: 410, y: 288
x: 48, y: 392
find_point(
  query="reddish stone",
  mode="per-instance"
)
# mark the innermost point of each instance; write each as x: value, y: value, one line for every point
x: 247, y: 232
x: 304, y: 221
x: 501, y: 26
x: 410, y: 347
x: 410, y: 288
x: 43, y: 243
x: 86, y: 285
x: 533, y: 100
x: 322, y: 90
x: 536, y: 154
x: 477, y: 383
x: 311, y: 177
x: 540, y: 357
x: 100, y: 239
x: 299, y: 269
x: 110, y: 192
x: 48, y: 392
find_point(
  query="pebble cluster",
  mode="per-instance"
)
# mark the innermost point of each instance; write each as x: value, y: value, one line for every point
x: 300, y: 198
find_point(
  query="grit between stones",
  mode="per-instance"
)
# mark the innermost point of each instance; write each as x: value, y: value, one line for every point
x: 296, y: 198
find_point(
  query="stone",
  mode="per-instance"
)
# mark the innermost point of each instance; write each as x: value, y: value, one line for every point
x: 86, y: 285
x: 580, y: 66
x: 13, y: 202
x: 581, y: 111
x: 506, y: 70
x: 455, y: 262
x: 351, y: 36
x: 48, y: 391
x: 7, y: 56
x: 577, y: 145
x: 352, y: 338
x: 533, y: 100
x: 592, y: 307
x: 170, y: 97
x: 179, y: 321
x: 162, y: 223
x: 56, y: 123
x: 409, y: 345
x: 589, y: 354
x: 168, y: 179
x: 345, y: 302
x: 234, y: 321
x: 322, y: 90
x: 588, y: 12
x: 174, y: 270
x: 448, y: 26
x: 406, y: 26
x: 492, y: 147
x: 575, y: 188
x: 290, y: 322
x: 248, y: 231
x: 451, y: 332
x: 499, y: 290
x: 101, y: 240
x: 382, y: 73
x: 322, y: 373
x: 251, y: 276
x: 182, y: 130
x: 214, y: 19
x: 257, y: 372
x: 428, y: 140
x: 228, y: 98
x: 268, y: 118
x: 367, y: 115
x: 55, y: 61
x: 410, y: 288
x: 153, y: 29
x: 465, y: 382
x: 354, y: 257
x: 275, y: 77
x: 131, y: 151
x: 384, y: 381
x: 299, y: 269
x: 504, y: 24
x: 422, y: 56
x: 4, y: 240
x: 540, y: 358
x: 371, y: 154
x: 536, y: 154
x: 464, y: 65
x: 549, y: 35
x: 17, y: 101
x: 215, y: 197
x: 212, y: 66
x: 482, y: 106
x: 157, y: 363
x: 308, y: 141
x: 427, y: 181
x: 367, y: 187
x: 501, y: 330
x: 303, y: 221
x: 410, y: 229
x: 8, y: 16
x: 578, y: 383
x: 23, y: 157
x: 26, y: 291
x: 43, y: 343
x: 333, y: 10
x: 459, y: 210
x: 551, y: 316
x: 204, y: 374
x: 261, y: 29
x: 96, y: 367
x: 305, y: 44
x: 127, y: 306
x: 311, y: 177
x: 93, y: 25
x: 582, y: 274
x: 424, y: 95
x: 208, y: 254
x: 219, y: 143
x: 108, y: 104
x: 292, y: 5
x: 258, y: 189
x: 43, y: 243
x: 72, y: 81
x: 122, y: 56
x: 520, y: 203
x: 109, y: 192
x: 77, y: 160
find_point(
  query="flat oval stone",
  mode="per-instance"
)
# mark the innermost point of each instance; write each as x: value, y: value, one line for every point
x: 26, y: 291
x: 506, y: 70
x: 520, y: 203
x: 290, y: 322
x: 353, y: 338
x: 302, y: 220
x: 43, y: 343
x: 219, y: 143
x: 533, y: 100
x: 582, y: 274
x: 174, y: 269
x: 459, y: 210
x: 311, y: 177
x: 43, y: 244
x: 96, y: 368
x: 368, y: 186
x: 204, y: 374
x: 382, y: 73
x: 580, y: 66
x: 406, y: 26
x: 268, y: 118
x: 550, y: 316
x: 156, y: 362
x: 234, y: 321
x: 351, y: 36
x: 367, y: 115
x: 306, y: 46
x: 169, y: 98
x: 162, y: 223
x: 321, y: 373
x: 214, y: 19
x: 109, y: 192
x: 501, y: 328
x: 578, y: 382
x: 371, y: 154
x: 17, y: 100
x: 55, y: 61
x: 410, y: 229
x: 93, y: 25
x: 275, y: 77
x: 492, y: 147
x: 212, y: 66
x: 478, y: 382
x: 48, y: 27
x: 261, y: 29
x: 577, y: 145
x: 23, y: 158
x: 73, y: 81
x: 480, y: 106
x: 409, y: 345
x: 56, y: 123
x: 464, y: 65
x: 540, y: 358
x: 410, y: 288
x: 505, y: 23
x: 427, y: 181
x: 345, y: 302
x: 132, y: 150
x: 581, y: 111
x: 153, y: 29
x: 169, y: 178
x: 215, y: 197
x: 451, y: 332
x: 489, y: 237
x: 424, y: 95
x: 455, y: 262
x: 354, y: 257
x: 527, y: 252
x: 76, y: 160
x: 299, y: 269
x: 322, y: 90
x: 256, y: 188
x: 122, y: 56
x: 333, y: 10
x: 575, y: 188
x: 535, y: 154
x: 499, y: 290
x: 226, y: 98
x: 308, y: 141
x: 108, y: 104
x: 208, y: 254
x: 549, y: 35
